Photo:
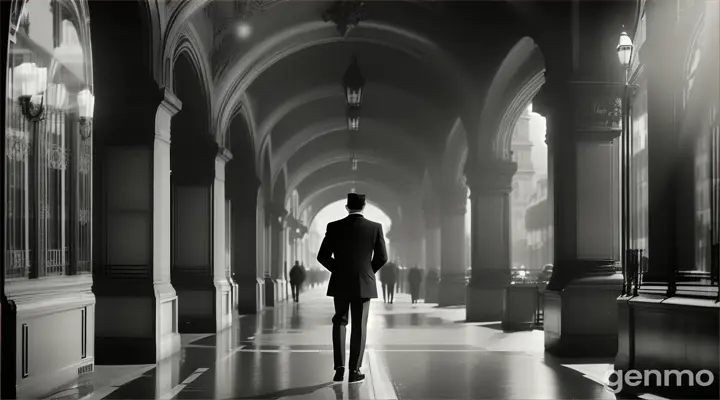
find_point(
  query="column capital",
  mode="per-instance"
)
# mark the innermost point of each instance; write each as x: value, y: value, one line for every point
x: 490, y: 176
x: 453, y: 199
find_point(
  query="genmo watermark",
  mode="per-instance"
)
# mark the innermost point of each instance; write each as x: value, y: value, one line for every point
x: 616, y: 380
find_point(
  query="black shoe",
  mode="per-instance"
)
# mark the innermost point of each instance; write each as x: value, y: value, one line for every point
x: 356, y: 377
x: 339, y: 374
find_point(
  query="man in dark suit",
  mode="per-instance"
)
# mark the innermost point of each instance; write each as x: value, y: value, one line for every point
x: 353, y: 250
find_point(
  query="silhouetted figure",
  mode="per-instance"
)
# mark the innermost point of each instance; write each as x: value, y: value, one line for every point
x: 414, y: 280
x: 346, y: 252
x: 388, y: 277
x: 297, y: 276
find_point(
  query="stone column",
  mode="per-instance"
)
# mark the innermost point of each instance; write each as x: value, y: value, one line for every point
x: 194, y: 270
x: 490, y: 186
x: 432, y: 257
x: 584, y: 164
x: 451, y: 290
x: 132, y: 195
x: 223, y: 292
x: 275, y: 284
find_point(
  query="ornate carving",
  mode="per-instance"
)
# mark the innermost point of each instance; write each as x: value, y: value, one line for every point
x: 17, y: 146
x: 599, y: 106
x: 85, y: 159
x: 56, y: 157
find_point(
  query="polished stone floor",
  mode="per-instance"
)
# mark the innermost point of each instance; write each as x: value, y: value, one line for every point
x: 414, y: 351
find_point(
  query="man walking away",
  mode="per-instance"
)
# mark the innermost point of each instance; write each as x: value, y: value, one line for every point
x: 414, y: 279
x: 353, y: 250
x: 296, y: 279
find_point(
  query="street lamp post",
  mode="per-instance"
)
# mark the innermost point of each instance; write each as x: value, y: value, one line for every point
x: 631, y: 257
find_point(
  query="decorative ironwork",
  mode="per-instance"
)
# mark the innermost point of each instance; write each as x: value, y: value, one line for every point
x: 31, y: 111
x: 17, y: 147
x: 18, y: 263
x: 85, y: 162
x: 86, y: 126
x: 346, y: 14
x: 56, y: 157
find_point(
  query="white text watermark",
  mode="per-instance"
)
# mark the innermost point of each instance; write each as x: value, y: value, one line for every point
x: 616, y: 380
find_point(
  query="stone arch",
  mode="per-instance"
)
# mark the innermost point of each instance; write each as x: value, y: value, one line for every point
x: 338, y: 156
x: 152, y: 35
x: 320, y: 93
x: 235, y: 80
x: 517, y: 80
x: 310, y: 133
x: 266, y: 179
x: 455, y: 155
x: 191, y: 46
x: 382, y: 196
x: 280, y: 187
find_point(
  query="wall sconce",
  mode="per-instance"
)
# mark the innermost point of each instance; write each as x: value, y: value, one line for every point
x: 86, y: 106
x: 31, y: 81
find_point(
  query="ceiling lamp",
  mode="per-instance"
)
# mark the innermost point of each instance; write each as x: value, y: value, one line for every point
x: 354, y: 82
x: 346, y: 14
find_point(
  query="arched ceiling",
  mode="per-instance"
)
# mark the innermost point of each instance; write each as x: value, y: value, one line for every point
x: 381, y: 196
x: 333, y: 156
x: 423, y: 67
x: 342, y: 172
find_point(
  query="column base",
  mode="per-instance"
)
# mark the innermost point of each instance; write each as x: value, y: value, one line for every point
x: 251, y: 295
x: 50, y: 311
x: 234, y: 295
x: 520, y: 307
x: 135, y: 322
x: 676, y: 334
x: 451, y: 291
x: 484, y: 304
x: 223, y: 304
x: 431, y: 291
x: 280, y: 290
x: 271, y: 295
x: 581, y: 319
x: 197, y: 302
x: 485, y: 295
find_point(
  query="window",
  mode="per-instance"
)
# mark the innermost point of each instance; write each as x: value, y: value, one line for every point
x: 639, y: 172
x: 48, y: 162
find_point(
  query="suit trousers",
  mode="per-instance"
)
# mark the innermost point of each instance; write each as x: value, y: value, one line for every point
x: 360, y: 309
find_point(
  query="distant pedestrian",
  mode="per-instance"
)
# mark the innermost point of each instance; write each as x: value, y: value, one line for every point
x: 414, y: 280
x: 297, y: 276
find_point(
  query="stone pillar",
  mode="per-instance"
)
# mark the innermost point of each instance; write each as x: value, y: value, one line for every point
x: 132, y: 278
x: 432, y: 257
x: 275, y: 284
x: 223, y: 292
x: 490, y: 186
x: 451, y: 290
x: 584, y: 154
x: 194, y: 270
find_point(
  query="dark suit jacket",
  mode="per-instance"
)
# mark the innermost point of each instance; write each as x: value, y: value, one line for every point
x: 353, y: 250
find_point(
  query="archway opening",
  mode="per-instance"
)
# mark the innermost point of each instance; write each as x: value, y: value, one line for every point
x: 530, y: 218
x: 335, y: 211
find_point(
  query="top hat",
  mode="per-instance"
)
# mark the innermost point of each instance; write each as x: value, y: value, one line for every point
x: 355, y: 201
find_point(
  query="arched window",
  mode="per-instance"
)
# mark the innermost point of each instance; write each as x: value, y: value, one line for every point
x: 48, y: 163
